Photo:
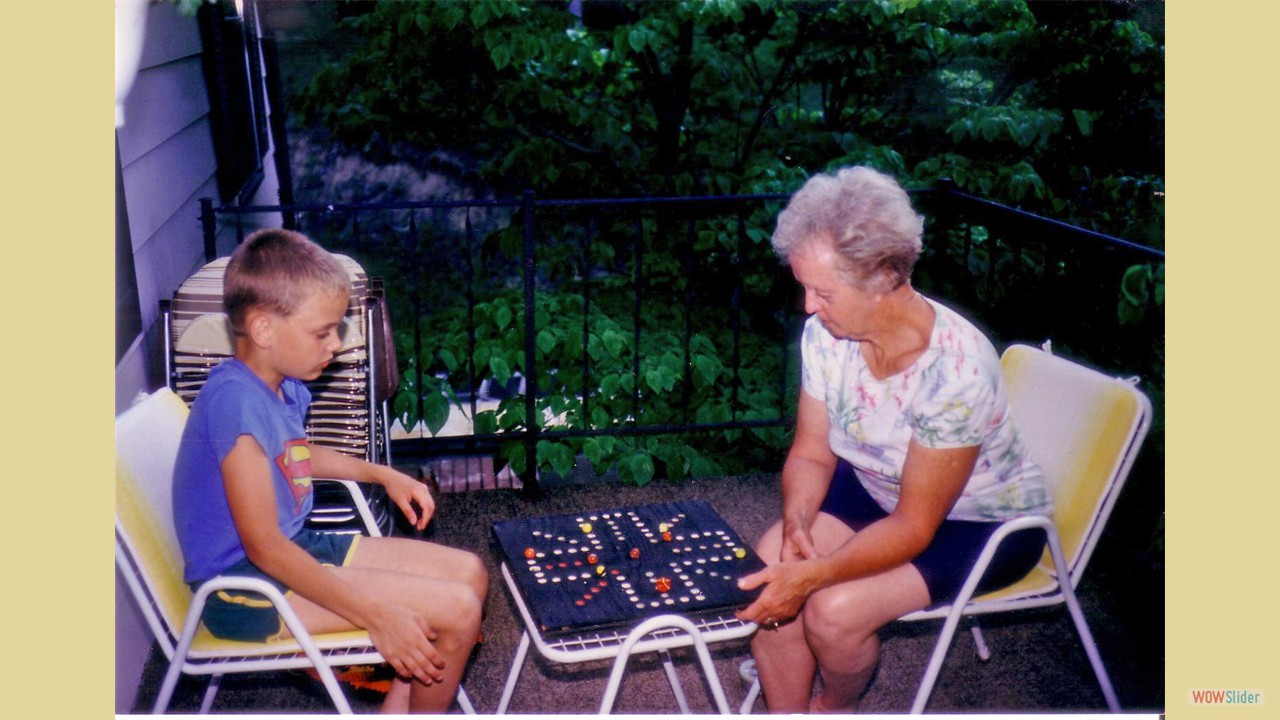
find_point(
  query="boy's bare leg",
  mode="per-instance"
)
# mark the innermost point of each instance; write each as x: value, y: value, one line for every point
x: 427, y: 559
x: 397, y: 700
x: 444, y: 586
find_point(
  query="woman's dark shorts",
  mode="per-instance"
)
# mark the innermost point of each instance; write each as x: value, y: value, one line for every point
x: 249, y: 616
x: 955, y: 548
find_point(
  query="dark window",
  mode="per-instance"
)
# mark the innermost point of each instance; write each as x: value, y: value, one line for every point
x: 237, y: 108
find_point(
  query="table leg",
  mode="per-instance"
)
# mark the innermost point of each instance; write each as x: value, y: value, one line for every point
x: 674, y: 679
x: 700, y: 646
x: 514, y: 674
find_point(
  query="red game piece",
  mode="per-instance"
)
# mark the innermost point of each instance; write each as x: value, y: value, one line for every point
x: 666, y: 536
x: 592, y: 559
x: 530, y: 553
x: 663, y: 584
x: 635, y: 553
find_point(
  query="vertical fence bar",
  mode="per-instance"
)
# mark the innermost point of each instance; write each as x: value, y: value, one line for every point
x: 532, y: 426
x: 415, y: 300
x: 735, y: 304
x: 470, y: 266
x: 209, y: 228
x: 690, y: 237
x: 637, y: 244
x: 588, y: 233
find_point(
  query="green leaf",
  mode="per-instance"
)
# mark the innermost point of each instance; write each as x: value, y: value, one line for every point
x: 405, y: 407
x: 449, y: 359
x: 500, y: 369
x: 546, y: 341
x: 1084, y: 121
x: 435, y: 410
x: 501, y: 56
x: 486, y: 422
x: 636, y: 39
x: 514, y: 454
x: 452, y: 16
x: 706, y: 369
x: 557, y: 455
x: 503, y: 316
x: 640, y: 468
x: 659, y: 379
x: 597, y: 449
x: 615, y: 342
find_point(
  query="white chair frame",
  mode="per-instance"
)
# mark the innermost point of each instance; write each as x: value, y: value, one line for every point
x: 188, y: 647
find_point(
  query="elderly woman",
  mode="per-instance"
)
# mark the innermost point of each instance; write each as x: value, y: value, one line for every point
x: 904, y: 460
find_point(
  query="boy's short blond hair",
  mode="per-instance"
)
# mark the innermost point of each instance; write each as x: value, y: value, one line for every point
x: 277, y: 270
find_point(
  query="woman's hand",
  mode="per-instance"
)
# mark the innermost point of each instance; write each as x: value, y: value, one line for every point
x: 797, y: 540
x: 787, y: 585
x: 405, y: 643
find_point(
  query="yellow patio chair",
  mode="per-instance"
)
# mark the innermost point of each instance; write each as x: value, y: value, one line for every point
x: 149, y: 558
x: 1084, y: 428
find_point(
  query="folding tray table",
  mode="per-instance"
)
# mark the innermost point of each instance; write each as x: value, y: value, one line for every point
x: 660, y: 634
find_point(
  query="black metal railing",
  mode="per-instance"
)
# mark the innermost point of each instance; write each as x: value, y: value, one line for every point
x: 574, y: 298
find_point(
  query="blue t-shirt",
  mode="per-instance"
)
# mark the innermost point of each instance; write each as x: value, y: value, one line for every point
x: 235, y: 402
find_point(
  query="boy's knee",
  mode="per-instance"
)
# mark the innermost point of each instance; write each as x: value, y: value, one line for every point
x: 466, y: 610
x: 475, y: 574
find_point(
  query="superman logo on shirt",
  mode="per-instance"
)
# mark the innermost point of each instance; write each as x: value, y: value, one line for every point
x: 295, y: 463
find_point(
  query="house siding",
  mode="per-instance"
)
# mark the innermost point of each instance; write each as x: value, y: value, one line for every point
x: 167, y: 164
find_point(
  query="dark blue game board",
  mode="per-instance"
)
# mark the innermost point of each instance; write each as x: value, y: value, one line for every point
x: 606, y: 568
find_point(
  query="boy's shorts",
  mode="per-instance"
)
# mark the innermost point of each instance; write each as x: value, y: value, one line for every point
x: 955, y: 548
x: 248, y: 616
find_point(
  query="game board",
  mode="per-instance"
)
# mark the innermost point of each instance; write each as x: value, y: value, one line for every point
x: 579, y: 571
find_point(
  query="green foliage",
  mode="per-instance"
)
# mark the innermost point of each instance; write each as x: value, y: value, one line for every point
x: 606, y: 362
x: 1056, y: 108
x: 1040, y: 105
x: 1141, y: 288
x: 191, y: 7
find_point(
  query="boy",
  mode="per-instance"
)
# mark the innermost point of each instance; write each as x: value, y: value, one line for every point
x: 242, y: 489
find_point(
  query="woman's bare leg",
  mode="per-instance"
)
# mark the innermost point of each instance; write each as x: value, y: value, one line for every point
x: 834, y: 634
x: 784, y: 661
x: 841, y: 629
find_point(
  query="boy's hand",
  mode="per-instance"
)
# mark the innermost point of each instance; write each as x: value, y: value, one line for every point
x: 406, y: 645
x: 404, y: 491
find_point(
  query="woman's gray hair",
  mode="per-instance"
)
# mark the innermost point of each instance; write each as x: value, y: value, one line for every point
x: 867, y: 217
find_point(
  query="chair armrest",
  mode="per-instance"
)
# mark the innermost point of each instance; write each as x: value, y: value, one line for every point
x: 361, y: 504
